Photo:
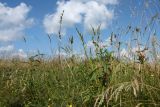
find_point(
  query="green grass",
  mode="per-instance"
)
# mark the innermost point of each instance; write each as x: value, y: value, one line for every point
x: 101, y: 79
x: 86, y: 83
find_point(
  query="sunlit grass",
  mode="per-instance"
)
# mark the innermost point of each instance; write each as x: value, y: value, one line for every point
x: 101, y: 78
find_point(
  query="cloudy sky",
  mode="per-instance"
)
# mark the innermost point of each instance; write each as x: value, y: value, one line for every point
x: 25, y: 24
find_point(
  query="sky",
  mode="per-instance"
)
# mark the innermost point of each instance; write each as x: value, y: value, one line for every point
x: 26, y: 24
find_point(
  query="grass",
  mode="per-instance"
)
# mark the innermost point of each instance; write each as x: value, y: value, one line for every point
x: 87, y: 83
x: 102, y: 78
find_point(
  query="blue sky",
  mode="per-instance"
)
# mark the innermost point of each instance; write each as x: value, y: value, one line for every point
x: 37, y: 18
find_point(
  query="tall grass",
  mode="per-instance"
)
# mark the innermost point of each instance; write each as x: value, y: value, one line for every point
x: 103, y: 78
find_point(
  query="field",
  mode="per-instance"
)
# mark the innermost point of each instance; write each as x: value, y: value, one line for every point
x: 101, y: 77
x: 100, y: 80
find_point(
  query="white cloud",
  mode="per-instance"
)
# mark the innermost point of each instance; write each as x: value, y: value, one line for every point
x: 72, y: 15
x: 62, y: 53
x: 90, y: 44
x: 19, y: 54
x: 97, y: 14
x: 13, y: 21
x: 104, y: 44
x: 9, y: 51
x: 101, y: 1
x: 6, y: 48
x: 133, y: 52
x: 124, y: 53
x: 87, y: 12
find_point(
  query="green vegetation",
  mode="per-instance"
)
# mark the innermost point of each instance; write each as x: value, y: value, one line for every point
x: 102, y: 78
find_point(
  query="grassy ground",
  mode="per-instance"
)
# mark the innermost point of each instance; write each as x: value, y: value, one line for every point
x: 93, y: 82
x: 102, y: 79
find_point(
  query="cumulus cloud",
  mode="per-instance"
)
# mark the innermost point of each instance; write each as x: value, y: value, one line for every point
x: 97, y: 14
x: 7, y: 48
x: 86, y: 12
x: 102, y: 44
x: 124, y: 53
x: 101, y: 1
x: 133, y: 52
x: 9, y: 51
x: 13, y: 21
x: 19, y: 54
x: 71, y: 16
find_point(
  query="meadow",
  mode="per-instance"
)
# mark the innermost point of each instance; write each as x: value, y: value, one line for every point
x: 101, y: 78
